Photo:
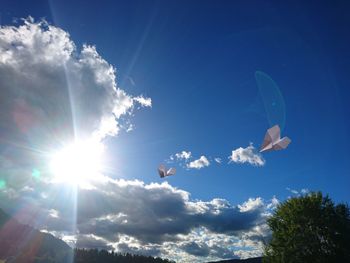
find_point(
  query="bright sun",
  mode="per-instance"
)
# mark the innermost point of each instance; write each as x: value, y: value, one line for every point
x: 78, y: 163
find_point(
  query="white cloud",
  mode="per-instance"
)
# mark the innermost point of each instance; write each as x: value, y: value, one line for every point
x: 274, y: 203
x: 183, y: 155
x: 91, y: 241
x: 247, y: 155
x: 199, y: 163
x: 182, y: 158
x: 292, y: 191
x: 251, y: 204
x: 217, y: 159
x: 303, y: 191
x: 54, y: 213
x: 145, y: 102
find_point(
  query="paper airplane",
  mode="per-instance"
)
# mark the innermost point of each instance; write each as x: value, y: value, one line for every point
x: 163, y: 172
x: 273, y: 141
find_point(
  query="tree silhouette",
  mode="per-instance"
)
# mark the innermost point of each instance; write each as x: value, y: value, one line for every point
x: 97, y: 256
x: 309, y: 228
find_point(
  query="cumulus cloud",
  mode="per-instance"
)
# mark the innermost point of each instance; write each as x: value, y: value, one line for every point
x: 151, y: 219
x: 251, y: 204
x: 247, y: 155
x: 199, y: 163
x: 184, y: 159
x: 53, y: 92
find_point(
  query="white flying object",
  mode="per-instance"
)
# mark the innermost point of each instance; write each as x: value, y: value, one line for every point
x: 163, y: 172
x: 273, y: 141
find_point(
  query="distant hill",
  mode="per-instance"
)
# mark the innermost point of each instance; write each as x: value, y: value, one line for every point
x: 248, y: 260
x: 22, y: 243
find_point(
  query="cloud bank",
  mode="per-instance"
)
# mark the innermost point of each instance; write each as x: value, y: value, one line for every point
x: 247, y: 155
x: 149, y: 219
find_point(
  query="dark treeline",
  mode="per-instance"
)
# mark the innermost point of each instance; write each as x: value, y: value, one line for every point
x: 90, y: 256
x: 94, y: 255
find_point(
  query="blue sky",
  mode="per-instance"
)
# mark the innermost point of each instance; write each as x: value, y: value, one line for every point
x: 197, y: 61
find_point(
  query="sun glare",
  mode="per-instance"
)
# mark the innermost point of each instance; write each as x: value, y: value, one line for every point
x: 78, y: 163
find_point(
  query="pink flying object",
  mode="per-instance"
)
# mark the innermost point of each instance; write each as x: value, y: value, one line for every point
x: 163, y: 172
x: 273, y: 141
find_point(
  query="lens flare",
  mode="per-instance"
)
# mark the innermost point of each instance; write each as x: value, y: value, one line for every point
x: 2, y: 184
x: 36, y: 173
